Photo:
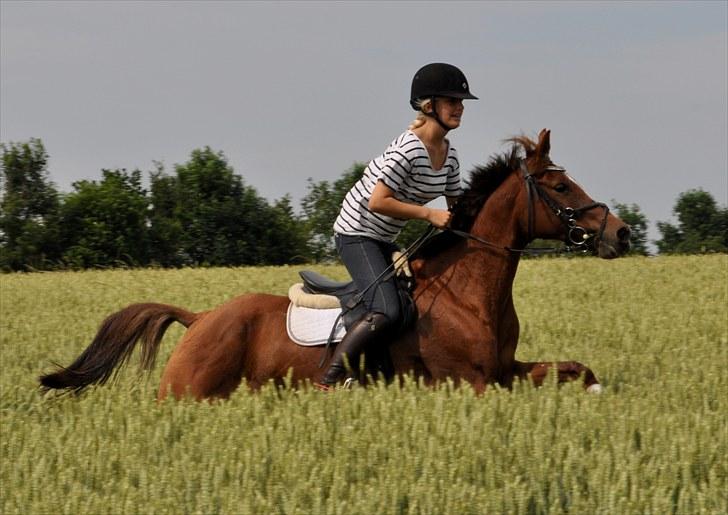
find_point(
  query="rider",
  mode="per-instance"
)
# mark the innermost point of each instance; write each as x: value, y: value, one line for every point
x: 417, y: 167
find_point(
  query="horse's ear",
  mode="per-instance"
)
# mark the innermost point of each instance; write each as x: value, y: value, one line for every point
x: 544, y: 142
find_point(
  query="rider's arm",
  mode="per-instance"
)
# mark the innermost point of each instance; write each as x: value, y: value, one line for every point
x: 382, y: 201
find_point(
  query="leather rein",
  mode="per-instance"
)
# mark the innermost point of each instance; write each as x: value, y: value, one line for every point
x: 577, y: 236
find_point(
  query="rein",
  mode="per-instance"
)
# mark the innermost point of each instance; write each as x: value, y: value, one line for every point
x: 576, y: 237
x: 386, y: 274
x: 391, y: 270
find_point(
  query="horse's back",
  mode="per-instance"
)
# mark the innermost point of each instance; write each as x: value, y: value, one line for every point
x: 250, y: 304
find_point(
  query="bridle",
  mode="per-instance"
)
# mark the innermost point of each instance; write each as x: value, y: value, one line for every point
x: 577, y: 236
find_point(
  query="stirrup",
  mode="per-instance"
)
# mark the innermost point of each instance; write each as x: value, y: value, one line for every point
x: 349, y: 383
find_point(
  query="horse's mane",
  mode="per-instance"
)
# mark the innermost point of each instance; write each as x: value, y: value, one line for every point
x: 482, y: 182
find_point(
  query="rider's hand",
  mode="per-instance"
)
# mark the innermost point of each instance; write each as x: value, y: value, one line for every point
x: 440, y: 218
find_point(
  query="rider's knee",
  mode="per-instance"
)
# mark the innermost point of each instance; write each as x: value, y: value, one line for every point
x: 381, y: 322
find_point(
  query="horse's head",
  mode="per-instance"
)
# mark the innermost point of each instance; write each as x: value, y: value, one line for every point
x: 559, y: 208
x: 523, y: 193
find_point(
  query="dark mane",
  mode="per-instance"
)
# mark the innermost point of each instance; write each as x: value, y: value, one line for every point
x: 481, y: 184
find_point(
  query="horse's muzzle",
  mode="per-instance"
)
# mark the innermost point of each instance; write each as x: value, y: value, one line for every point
x: 613, y: 247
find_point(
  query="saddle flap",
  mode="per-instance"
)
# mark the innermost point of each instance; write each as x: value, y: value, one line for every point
x: 309, y: 327
x: 317, y: 283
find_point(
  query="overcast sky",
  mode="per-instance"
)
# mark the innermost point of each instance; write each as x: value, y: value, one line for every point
x: 634, y: 92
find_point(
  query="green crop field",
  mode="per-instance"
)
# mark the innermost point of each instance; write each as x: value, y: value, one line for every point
x: 654, y: 330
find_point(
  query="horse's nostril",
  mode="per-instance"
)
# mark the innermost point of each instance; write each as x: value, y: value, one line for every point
x: 624, y: 233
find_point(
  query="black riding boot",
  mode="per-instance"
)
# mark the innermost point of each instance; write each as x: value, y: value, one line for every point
x: 366, y: 330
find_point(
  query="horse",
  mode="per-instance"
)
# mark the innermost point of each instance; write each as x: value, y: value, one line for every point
x: 466, y: 330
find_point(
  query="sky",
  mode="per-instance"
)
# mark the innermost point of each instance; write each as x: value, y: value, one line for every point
x: 635, y: 93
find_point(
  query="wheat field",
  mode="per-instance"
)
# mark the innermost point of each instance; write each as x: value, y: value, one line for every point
x: 654, y: 330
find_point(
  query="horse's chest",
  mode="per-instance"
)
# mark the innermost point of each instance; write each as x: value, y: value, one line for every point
x: 452, y: 329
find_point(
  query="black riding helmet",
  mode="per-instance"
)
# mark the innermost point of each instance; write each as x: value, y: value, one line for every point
x: 439, y: 80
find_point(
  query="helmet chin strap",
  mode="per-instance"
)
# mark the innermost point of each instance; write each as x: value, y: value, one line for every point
x: 436, y: 117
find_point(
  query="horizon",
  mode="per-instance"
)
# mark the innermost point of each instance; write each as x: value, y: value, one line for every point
x: 635, y: 93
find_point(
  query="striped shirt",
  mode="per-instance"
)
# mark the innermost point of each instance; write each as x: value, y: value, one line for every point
x: 406, y: 169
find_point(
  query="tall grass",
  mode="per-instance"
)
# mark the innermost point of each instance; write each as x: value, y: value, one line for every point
x: 654, y: 330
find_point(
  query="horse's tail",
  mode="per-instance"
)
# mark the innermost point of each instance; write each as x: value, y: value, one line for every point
x: 114, y: 343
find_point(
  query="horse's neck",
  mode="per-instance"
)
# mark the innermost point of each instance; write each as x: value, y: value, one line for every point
x: 475, y: 272
x: 485, y: 271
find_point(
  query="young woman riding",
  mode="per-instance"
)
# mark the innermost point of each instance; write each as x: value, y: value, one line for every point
x: 417, y: 167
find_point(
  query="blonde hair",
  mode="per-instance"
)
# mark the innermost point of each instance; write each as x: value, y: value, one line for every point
x: 421, y: 116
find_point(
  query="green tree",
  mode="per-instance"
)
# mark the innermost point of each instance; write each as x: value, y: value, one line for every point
x: 221, y: 221
x: 214, y: 211
x: 165, y: 228
x: 28, y: 208
x: 321, y: 207
x: 286, y: 237
x: 637, y: 221
x: 105, y: 223
x: 204, y: 214
x: 702, y: 225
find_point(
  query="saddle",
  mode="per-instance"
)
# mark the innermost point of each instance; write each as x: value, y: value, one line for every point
x: 322, y: 310
x: 319, y: 292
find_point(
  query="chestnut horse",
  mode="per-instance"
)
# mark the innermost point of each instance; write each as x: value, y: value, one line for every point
x: 467, y: 328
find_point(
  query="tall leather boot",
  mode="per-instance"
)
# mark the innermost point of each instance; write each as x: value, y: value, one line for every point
x: 366, y: 330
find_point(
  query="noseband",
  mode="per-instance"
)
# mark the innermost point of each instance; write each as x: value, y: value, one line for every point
x: 575, y: 234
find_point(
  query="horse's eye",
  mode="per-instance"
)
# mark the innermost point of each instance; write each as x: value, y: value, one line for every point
x: 561, y: 188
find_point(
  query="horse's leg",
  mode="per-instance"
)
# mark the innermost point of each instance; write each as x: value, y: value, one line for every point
x: 437, y: 349
x: 510, y: 368
x: 567, y: 371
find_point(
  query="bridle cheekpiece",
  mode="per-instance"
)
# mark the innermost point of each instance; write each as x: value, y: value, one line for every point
x: 576, y: 235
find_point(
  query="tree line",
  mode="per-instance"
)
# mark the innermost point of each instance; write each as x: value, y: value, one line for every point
x: 204, y: 214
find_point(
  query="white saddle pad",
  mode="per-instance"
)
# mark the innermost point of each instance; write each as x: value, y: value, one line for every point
x: 309, y: 327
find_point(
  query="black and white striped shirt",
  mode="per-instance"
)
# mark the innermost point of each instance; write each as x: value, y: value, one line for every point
x: 406, y: 169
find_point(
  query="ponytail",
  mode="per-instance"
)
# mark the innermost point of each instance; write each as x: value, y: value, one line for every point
x: 418, y: 122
